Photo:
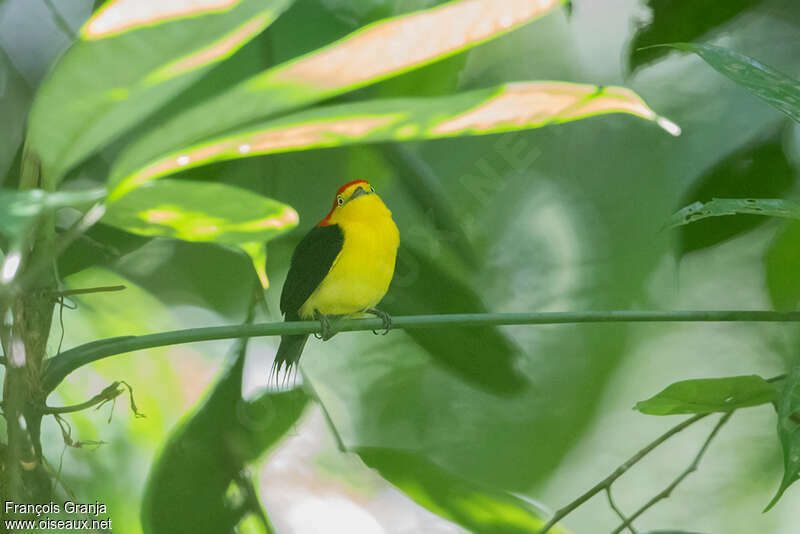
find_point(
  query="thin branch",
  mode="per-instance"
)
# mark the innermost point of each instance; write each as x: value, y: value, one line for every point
x: 58, y: 367
x: 618, y: 472
x: 109, y: 393
x: 87, y: 290
x: 613, y: 505
x: 666, y: 492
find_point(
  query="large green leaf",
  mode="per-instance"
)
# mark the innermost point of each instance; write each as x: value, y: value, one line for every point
x: 131, y: 59
x: 509, y: 107
x: 672, y: 21
x: 757, y: 170
x: 768, y: 83
x: 483, y: 356
x: 187, y: 486
x: 204, y: 212
x: 478, y: 509
x: 782, y: 263
x: 717, y: 207
x: 710, y: 395
x: 789, y: 432
x: 372, y: 53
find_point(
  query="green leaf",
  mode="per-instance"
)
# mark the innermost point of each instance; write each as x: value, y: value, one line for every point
x: 509, y: 107
x: 187, y: 486
x: 131, y: 59
x: 373, y: 53
x: 757, y: 170
x: 782, y: 263
x: 709, y: 395
x: 19, y: 209
x: 680, y: 21
x: 203, y: 212
x: 484, y: 356
x: 478, y: 509
x: 717, y: 207
x: 769, y: 84
x: 789, y: 432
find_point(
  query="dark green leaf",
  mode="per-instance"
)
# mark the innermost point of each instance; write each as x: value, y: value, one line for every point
x: 483, y: 356
x: 187, y: 486
x: 769, y: 84
x: 757, y: 170
x: 478, y: 509
x: 131, y: 60
x: 782, y: 267
x: 773, y: 207
x: 709, y: 395
x: 789, y: 432
x: 672, y: 21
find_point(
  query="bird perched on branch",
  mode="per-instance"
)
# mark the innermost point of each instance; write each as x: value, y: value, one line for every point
x: 343, y: 266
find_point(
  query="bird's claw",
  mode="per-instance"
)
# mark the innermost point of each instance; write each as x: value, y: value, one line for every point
x: 385, y: 317
x: 326, y: 330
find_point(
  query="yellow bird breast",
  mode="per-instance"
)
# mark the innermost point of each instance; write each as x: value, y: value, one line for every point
x: 361, y: 273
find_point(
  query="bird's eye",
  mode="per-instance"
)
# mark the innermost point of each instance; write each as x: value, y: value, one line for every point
x: 371, y: 189
x: 339, y: 200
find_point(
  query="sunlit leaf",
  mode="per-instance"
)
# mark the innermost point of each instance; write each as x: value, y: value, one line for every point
x: 782, y: 263
x: 773, y: 207
x: 204, y: 212
x: 133, y: 57
x: 710, y: 395
x: 373, y: 53
x: 509, y: 107
x: 478, y: 509
x: 187, y: 486
x: 757, y: 170
x: 680, y: 21
x: 789, y: 432
x: 769, y: 84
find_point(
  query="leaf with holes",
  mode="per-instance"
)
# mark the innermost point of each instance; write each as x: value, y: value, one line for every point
x: 133, y: 56
x: 510, y: 107
x: 773, y: 207
x: 789, y: 432
x: 373, y: 53
x: 710, y: 395
x: 478, y: 509
x: 760, y: 169
x: 204, y: 212
x: 779, y: 90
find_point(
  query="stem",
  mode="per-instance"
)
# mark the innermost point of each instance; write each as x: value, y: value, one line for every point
x: 613, y: 505
x: 87, y: 290
x: 618, y: 472
x: 60, y: 366
x: 666, y: 492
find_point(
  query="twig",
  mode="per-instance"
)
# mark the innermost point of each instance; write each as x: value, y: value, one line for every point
x: 109, y: 393
x: 666, y: 492
x: 613, y: 505
x: 618, y: 472
x: 63, y: 364
x: 87, y: 290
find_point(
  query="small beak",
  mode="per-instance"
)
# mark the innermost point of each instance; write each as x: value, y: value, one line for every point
x: 358, y: 193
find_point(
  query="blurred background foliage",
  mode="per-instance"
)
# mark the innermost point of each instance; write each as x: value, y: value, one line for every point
x: 566, y: 217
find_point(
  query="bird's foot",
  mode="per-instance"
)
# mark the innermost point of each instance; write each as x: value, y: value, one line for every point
x: 385, y: 317
x: 326, y: 329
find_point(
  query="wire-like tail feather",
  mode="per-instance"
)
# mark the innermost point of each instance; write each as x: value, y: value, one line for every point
x: 289, y: 352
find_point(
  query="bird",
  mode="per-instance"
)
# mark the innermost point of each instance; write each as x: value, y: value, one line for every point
x: 342, y: 267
